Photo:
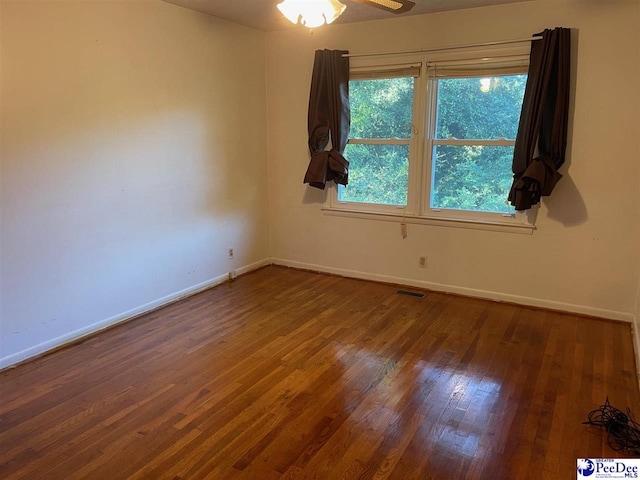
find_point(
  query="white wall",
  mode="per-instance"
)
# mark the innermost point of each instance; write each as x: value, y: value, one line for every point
x: 584, y: 255
x: 133, y: 149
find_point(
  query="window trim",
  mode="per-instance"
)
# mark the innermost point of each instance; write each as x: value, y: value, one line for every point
x: 417, y: 210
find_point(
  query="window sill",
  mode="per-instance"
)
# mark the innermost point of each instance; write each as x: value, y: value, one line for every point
x: 508, y: 227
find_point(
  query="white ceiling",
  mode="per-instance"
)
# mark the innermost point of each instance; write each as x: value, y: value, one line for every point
x: 263, y: 14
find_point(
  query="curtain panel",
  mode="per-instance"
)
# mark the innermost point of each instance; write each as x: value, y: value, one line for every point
x: 542, y: 133
x: 329, y: 119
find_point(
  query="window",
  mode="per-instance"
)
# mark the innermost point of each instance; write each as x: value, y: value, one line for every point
x: 476, y: 109
x: 381, y: 129
x: 434, y: 139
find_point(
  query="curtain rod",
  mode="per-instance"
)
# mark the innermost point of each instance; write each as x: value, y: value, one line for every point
x: 439, y: 49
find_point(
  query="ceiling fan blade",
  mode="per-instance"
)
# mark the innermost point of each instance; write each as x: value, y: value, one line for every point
x: 393, y: 6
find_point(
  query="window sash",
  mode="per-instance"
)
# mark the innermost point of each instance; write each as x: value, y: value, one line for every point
x: 516, y: 65
x: 410, y: 70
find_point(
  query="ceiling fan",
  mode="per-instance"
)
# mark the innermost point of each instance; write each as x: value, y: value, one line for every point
x: 393, y: 6
x: 314, y: 13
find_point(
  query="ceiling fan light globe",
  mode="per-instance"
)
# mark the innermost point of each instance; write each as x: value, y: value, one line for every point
x: 311, y: 13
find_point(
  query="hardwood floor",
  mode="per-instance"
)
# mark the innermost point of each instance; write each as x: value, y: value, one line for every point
x: 286, y: 374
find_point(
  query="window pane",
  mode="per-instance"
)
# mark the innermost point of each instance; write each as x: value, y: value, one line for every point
x: 471, y: 178
x: 479, y: 108
x: 381, y: 108
x: 377, y: 174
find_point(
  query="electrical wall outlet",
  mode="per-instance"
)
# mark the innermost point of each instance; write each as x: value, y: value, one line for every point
x: 422, y: 262
x: 230, y: 253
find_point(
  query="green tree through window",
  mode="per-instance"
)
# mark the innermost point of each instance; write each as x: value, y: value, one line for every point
x: 381, y: 118
x: 475, y: 176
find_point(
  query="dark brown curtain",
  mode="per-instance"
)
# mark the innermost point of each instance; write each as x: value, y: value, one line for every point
x: 542, y: 133
x: 329, y: 119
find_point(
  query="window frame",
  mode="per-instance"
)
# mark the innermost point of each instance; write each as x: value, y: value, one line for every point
x: 418, y: 209
x: 413, y: 142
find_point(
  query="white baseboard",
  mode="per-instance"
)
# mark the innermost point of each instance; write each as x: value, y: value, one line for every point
x: 469, y: 292
x: 254, y: 266
x: 78, y: 334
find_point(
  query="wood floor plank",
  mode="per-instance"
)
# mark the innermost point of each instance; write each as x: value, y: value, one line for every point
x: 288, y: 374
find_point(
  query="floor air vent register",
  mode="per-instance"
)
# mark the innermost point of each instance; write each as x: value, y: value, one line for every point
x: 410, y: 294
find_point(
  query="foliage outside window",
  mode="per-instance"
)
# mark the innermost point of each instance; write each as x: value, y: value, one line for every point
x: 475, y: 130
x: 434, y: 140
x: 378, y: 150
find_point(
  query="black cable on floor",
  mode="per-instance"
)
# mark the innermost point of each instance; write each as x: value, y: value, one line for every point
x: 623, y: 432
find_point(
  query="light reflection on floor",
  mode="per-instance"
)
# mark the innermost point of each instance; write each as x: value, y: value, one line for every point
x: 462, y: 405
